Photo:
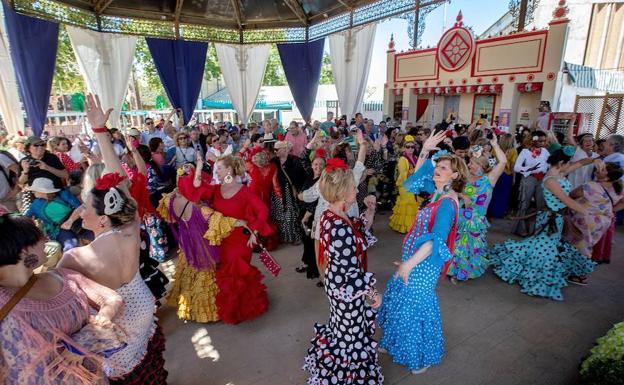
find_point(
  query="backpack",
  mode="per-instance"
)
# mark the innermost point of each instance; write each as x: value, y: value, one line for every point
x: 10, y: 175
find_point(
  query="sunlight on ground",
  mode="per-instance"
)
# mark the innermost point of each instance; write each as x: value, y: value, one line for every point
x: 203, y: 345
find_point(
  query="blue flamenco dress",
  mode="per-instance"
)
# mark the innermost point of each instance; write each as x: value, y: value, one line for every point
x: 410, y: 314
x: 470, y: 256
x: 541, y: 263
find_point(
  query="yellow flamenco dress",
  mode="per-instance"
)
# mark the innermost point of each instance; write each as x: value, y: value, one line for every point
x: 407, y: 204
x: 195, y: 288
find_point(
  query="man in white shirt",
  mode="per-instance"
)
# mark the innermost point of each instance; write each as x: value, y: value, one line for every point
x: 532, y: 163
x: 151, y: 132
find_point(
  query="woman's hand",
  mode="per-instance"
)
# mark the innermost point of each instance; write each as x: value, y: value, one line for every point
x: 494, y: 140
x: 599, y: 164
x: 240, y: 223
x: 359, y: 138
x: 432, y: 141
x: 101, y: 320
x: 199, y: 160
x: 25, y: 166
x: 375, y: 299
x: 370, y: 201
x: 252, y: 241
x: 403, y: 271
x: 95, y: 115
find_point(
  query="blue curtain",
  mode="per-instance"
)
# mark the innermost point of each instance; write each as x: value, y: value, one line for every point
x: 33, y: 52
x: 302, y: 66
x: 180, y: 65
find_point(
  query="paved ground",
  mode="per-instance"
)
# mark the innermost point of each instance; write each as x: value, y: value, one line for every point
x: 494, y: 334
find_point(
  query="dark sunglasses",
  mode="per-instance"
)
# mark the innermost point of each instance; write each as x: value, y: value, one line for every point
x: 39, y: 145
x: 410, y: 146
x: 183, y: 137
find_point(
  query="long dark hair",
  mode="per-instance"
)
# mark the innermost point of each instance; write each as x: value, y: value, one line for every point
x: 146, y: 154
x: 614, y: 175
x: 11, y: 245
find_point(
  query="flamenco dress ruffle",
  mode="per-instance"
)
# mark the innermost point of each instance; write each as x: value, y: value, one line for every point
x: 333, y: 356
x: 410, y: 314
x: 194, y: 292
x: 471, y: 249
x: 404, y: 211
x: 242, y: 295
x: 541, y: 263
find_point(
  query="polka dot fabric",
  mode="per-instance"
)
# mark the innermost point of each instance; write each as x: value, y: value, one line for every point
x: 541, y: 263
x: 344, y: 351
x: 410, y: 314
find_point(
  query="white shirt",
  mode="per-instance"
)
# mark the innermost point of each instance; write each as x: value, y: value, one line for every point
x: 581, y: 175
x: 313, y: 193
x: 16, y: 154
x: 146, y: 136
x: 526, y: 161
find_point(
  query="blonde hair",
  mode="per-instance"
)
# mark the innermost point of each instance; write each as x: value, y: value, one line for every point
x: 55, y: 141
x: 335, y: 184
x: 235, y: 163
x: 482, y: 161
x: 459, y: 166
x: 90, y: 176
x: 506, y: 142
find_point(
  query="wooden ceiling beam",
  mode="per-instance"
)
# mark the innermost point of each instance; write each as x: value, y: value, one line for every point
x: 238, y: 13
x: 176, y: 17
x: 101, y: 5
x: 298, y: 10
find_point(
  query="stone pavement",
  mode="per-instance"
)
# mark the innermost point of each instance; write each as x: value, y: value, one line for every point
x: 494, y: 334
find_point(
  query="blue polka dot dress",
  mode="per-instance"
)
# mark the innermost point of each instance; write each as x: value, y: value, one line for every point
x: 410, y: 314
x: 343, y: 350
x: 541, y: 263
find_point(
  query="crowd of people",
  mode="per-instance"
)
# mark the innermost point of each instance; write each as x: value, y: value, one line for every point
x: 96, y: 215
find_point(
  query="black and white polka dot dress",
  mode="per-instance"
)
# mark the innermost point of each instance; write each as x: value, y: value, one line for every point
x: 343, y: 350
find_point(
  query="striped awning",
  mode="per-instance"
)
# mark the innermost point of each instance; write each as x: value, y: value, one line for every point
x: 588, y: 77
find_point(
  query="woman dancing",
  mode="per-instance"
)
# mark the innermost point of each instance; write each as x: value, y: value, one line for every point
x: 242, y: 296
x: 194, y: 289
x: 410, y: 313
x: 406, y: 205
x: 470, y: 257
x: 112, y: 260
x: 541, y: 263
x: 344, y: 351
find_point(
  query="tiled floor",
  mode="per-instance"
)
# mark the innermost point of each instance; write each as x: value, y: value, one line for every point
x: 494, y: 334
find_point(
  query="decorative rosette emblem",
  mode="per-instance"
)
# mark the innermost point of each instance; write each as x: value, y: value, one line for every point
x: 469, y: 190
x: 481, y: 199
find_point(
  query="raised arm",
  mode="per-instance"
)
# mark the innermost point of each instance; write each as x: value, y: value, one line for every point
x: 138, y: 159
x: 498, y: 170
x: 570, y: 133
x: 429, y: 145
x: 98, y: 118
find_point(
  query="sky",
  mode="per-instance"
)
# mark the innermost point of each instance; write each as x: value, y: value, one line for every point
x: 477, y: 14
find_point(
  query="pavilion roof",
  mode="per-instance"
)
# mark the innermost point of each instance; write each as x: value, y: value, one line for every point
x: 230, y: 21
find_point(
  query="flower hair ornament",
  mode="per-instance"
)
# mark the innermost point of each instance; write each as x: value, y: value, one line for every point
x: 113, y: 202
x: 437, y: 156
x: 335, y: 163
x: 476, y: 150
x: 569, y: 150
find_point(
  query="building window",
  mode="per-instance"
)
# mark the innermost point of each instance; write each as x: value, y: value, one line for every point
x: 483, y: 105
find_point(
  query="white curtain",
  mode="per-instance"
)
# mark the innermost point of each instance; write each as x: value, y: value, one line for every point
x: 243, y: 67
x: 350, y: 53
x: 10, y: 107
x: 105, y: 61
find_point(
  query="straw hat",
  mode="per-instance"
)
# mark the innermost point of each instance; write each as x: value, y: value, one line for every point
x: 43, y: 185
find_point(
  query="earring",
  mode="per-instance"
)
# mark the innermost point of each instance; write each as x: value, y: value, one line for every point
x: 447, y: 187
x: 228, y: 179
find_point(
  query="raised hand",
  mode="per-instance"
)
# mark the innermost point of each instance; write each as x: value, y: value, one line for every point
x: 432, y: 141
x: 95, y: 115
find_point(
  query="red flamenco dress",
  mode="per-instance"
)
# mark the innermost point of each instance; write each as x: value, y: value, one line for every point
x: 242, y: 295
x: 261, y: 184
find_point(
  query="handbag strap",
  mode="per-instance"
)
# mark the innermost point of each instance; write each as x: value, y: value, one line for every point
x: 17, y: 297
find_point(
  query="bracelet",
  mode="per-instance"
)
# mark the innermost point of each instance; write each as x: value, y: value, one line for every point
x: 99, y: 130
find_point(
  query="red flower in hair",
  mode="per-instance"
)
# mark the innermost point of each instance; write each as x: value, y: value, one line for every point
x: 281, y: 137
x: 320, y: 153
x: 108, y: 181
x: 335, y: 163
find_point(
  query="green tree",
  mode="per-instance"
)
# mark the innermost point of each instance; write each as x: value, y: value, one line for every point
x: 212, y: 70
x: 67, y: 78
x: 327, y: 74
x: 149, y: 84
x: 274, y: 73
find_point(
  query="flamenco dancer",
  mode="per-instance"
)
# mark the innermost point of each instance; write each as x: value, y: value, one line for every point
x: 112, y: 260
x: 344, y: 351
x: 242, y: 295
x: 195, y: 288
x: 540, y: 264
x: 406, y: 205
x: 410, y: 313
x: 470, y: 257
